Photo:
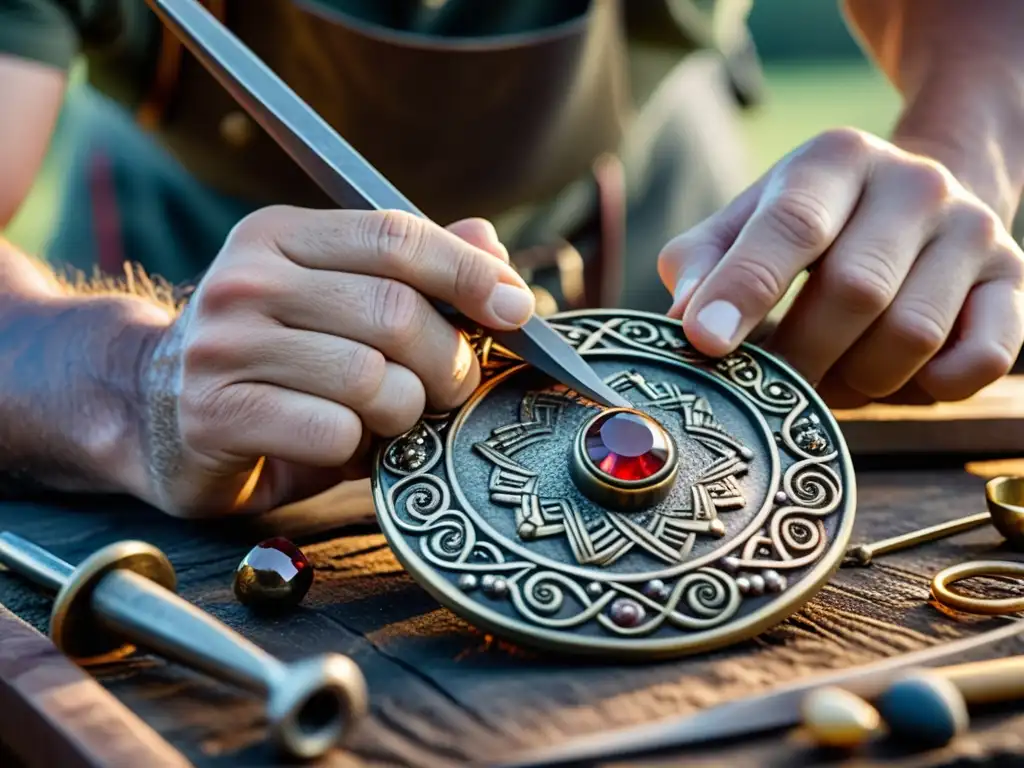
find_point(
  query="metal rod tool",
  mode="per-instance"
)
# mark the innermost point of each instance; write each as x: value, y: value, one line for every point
x: 124, y: 594
x: 346, y: 176
x: 1005, y: 499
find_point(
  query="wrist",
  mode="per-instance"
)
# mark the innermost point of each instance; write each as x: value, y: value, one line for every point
x: 970, y: 118
x: 71, y: 397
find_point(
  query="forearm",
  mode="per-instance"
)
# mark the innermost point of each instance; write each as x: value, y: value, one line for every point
x: 960, y: 68
x: 69, y: 390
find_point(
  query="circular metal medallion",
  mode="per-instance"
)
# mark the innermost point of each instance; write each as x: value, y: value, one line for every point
x: 712, y: 512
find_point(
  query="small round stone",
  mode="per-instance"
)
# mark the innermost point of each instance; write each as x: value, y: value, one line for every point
x: 757, y: 584
x: 774, y: 581
x: 594, y: 588
x: 467, y: 582
x: 627, y: 446
x: 743, y: 584
x: 274, y: 576
x: 731, y: 564
x: 656, y: 589
x: 781, y: 498
x: 837, y: 719
x: 626, y: 612
x: 924, y: 709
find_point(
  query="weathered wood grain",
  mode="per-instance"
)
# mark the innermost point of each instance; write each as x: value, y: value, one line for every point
x: 443, y: 694
x: 55, y: 714
x: 990, y: 423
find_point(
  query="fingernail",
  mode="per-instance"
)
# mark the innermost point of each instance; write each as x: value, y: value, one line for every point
x: 720, y: 319
x: 510, y: 304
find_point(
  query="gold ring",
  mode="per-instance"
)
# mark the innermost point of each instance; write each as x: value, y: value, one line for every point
x: 990, y: 607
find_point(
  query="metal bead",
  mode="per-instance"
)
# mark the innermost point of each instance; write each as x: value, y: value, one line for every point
x: 924, y: 709
x: 781, y: 497
x: 495, y: 586
x: 655, y: 589
x: 594, y: 589
x: 836, y: 718
x: 275, y: 575
x: 743, y: 584
x: 774, y: 581
x: 627, y: 613
x: 467, y: 582
x: 717, y: 527
x: 731, y: 564
x: 757, y: 585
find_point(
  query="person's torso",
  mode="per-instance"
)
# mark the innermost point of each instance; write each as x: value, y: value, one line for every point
x: 469, y: 107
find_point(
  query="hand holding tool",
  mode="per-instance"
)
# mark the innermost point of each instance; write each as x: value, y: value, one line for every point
x: 348, y: 178
x: 123, y: 593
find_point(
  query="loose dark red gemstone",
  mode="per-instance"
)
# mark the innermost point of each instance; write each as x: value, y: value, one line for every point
x: 627, y: 446
x: 274, y: 575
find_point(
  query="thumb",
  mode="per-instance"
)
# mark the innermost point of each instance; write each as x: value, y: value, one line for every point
x: 688, y: 259
x: 481, y: 234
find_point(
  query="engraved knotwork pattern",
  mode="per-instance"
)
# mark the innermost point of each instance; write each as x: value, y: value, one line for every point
x: 601, y: 540
x: 789, y: 539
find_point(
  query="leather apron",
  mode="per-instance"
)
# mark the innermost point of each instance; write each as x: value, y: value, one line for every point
x: 464, y: 127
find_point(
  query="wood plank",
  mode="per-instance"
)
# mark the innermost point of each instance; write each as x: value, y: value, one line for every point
x: 54, y: 713
x: 444, y: 694
x: 990, y: 423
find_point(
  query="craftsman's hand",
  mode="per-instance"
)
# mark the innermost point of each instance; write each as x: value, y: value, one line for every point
x: 915, y: 287
x: 310, y: 333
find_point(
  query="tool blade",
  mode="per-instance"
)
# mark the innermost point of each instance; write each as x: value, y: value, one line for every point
x: 541, y: 345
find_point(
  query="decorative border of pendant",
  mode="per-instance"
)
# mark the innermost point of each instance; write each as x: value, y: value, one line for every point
x: 465, y: 568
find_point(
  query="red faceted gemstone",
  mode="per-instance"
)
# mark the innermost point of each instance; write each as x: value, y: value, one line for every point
x: 627, y: 446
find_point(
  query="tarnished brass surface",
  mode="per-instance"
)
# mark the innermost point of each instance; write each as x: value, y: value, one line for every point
x: 481, y: 507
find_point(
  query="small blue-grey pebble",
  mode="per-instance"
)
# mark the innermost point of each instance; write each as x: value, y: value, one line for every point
x: 923, y: 709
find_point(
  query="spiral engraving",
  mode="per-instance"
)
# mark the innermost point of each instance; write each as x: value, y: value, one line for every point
x: 755, y: 568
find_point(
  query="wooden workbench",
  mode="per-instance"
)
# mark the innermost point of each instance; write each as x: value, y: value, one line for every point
x: 445, y: 695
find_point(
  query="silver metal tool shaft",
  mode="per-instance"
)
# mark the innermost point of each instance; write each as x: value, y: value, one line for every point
x: 345, y: 175
x: 123, y: 593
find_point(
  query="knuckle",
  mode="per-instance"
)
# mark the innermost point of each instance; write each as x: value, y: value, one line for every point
x: 232, y: 287
x: 920, y: 327
x: 206, y: 351
x: 395, y: 237
x: 977, y: 224
x: 867, y: 284
x: 255, y: 226
x: 1009, y: 264
x: 397, y: 313
x: 800, y: 220
x: 364, y: 374
x: 758, y: 281
x: 843, y: 142
x: 926, y: 181
x: 993, y: 361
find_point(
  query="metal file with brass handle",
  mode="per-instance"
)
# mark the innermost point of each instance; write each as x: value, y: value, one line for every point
x: 122, y: 595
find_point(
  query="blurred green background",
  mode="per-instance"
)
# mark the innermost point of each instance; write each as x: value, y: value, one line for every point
x: 817, y: 79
